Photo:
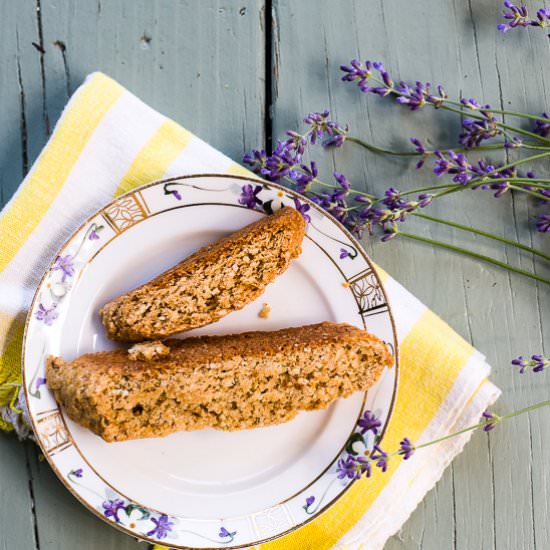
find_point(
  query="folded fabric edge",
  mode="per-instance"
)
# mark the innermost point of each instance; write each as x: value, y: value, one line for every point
x: 438, y: 457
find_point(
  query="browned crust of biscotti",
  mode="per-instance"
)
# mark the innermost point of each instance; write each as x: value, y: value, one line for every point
x: 228, y: 382
x: 214, y: 281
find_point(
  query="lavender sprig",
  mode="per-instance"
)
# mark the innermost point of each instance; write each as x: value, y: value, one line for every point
x: 354, y: 465
x: 518, y: 16
x: 421, y: 94
x: 537, y: 363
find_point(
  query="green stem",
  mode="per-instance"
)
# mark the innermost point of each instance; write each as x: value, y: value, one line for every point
x: 476, y: 426
x: 382, y: 151
x: 375, y: 149
x: 529, y: 192
x: 483, y: 234
x: 499, y: 111
x: 487, y: 259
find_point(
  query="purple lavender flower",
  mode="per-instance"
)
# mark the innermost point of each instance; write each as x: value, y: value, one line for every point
x: 306, y: 177
x: 77, y: 472
x: 412, y: 97
x: 163, y: 526
x: 491, y: 420
x: 112, y: 507
x: 39, y: 383
x: 302, y: 208
x: 224, y: 534
x: 542, y: 128
x: 543, y: 223
x: 369, y: 423
x: 421, y: 150
x: 513, y: 143
x: 380, y: 457
x: 322, y: 127
x: 256, y: 160
x: 249, y: 195
x: 406, y: 448
x: 309, y: 501
x: 296, y: 142
x: 471, y: 103
x: 356, y: 72
x: 281, y: 162
x: 47, y: 315
x: 518, y: 16
x: 537, y: 362
x: 475, y: 131
x: 65, y: 264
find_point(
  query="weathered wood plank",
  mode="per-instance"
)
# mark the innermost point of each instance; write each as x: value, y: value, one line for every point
x: 202, y: 65
x: 457, y: 44
x: 16, y: 503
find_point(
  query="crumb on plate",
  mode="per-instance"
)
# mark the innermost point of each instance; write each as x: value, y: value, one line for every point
x: 264, y: 312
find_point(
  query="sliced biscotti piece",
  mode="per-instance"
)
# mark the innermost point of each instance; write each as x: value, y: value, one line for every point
x: 214, y: 281
x: 226, y: 382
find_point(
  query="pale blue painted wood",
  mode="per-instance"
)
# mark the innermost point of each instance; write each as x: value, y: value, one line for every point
x: 495, y: 494
x: 204, y: 64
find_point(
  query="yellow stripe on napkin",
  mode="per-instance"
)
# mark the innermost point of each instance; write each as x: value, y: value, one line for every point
x: 55, y: 163
x: 156, y: 156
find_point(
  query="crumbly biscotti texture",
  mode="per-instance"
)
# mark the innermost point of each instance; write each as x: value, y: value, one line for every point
x: 226, y: 382
x: 214, y: 281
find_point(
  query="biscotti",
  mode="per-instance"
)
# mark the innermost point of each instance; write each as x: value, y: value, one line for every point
x: 229, y: 382
x: 209, y: 284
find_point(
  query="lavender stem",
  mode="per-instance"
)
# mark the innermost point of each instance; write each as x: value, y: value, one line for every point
x: 466, y: 252
x: 483, y: 234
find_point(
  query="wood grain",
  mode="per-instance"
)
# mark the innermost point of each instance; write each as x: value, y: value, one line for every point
x: 495, y: 494
x: 201, y: 64
x: 239, y: 74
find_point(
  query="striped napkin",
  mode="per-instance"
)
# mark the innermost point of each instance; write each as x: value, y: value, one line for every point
x: 108, y: 142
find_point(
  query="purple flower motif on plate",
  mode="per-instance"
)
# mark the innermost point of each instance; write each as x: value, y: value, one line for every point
x: 353, y: 467
x: 225, y: 534
x: 77, y: 472
x: 112, y: 507
x: 249, y: 195
x: 47, y: 315
x: 369, y: 423
x: 94, y: 233
x: 344, y: 254
x: 65, y: 264
x: 302, y: 208
x: 163, y: 526
x: 39, y: 383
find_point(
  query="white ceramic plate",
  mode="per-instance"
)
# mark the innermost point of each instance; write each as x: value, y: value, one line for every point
x: 204, y: 489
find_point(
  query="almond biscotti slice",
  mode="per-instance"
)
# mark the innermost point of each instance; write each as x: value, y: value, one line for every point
x: 226, y: 382
x: 209, y: 284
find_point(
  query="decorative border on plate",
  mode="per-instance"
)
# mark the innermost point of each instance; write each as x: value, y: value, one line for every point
x: 53, y: 435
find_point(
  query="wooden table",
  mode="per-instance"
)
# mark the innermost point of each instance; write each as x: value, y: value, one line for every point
x: 238, y: 73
